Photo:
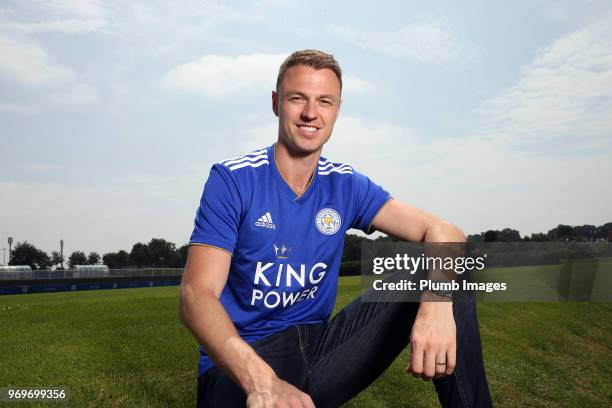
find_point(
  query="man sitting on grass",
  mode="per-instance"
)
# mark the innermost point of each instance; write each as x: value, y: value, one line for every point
x: 262, y: 272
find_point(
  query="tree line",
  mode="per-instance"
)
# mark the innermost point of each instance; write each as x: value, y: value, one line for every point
x: 561, y: 233
x: 157, y: 253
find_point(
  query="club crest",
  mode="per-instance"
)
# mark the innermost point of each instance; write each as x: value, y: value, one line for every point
x: 328, y: 221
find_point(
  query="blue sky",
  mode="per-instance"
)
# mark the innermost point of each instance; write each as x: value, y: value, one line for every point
x: 489, y: 115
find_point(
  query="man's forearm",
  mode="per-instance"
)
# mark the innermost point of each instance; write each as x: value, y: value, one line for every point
x: 450, y: 239
x: 444, y: 232
x: 204, y: 315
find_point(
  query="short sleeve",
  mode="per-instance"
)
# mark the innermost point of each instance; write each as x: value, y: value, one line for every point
x: 218, y: 217
x: 369, y: 197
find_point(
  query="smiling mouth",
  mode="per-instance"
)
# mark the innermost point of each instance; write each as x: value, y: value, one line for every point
x: 308, y: 128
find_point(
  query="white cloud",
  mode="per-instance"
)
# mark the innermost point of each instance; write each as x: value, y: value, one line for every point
x: 19, y: 108
x: 149, y: 180
x: 564, y: 94
x: 218, y: 11
x: 429, y: 42
x: 354, y: 84
x: 365, y: 136
x: 217, y: 76
x: 63, y: 16
x: 79, y: 94
x: 27, y: 62
x: 571, y: 10
x: 66, y: 26
x: 275, y: 4
x: 259, y: 136
x: 79, y: 8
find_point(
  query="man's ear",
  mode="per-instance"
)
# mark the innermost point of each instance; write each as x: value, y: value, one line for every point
x: 275, y: 103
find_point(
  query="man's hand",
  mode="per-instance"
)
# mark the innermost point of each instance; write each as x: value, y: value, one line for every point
x: 433, y: 341
x: 279, y: 394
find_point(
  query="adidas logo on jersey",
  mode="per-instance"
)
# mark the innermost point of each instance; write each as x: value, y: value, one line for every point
x: 265, y: 221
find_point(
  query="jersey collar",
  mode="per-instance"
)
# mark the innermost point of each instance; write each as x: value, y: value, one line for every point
x: 286, y: 190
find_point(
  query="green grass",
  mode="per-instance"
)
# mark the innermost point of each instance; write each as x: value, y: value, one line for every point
x: 127, y: 348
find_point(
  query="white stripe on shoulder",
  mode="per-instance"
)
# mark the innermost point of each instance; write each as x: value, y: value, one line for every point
x: 248, y: 164
x: 335, y: 166
x: 327, y: 167
x: 246, y: 159
x: 336, y: 170
x: 253, y: 153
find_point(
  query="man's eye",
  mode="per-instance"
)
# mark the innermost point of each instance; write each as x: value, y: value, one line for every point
x: 326, y: 102
x: 296, y: 99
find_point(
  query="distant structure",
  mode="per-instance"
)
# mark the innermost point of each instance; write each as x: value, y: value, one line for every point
x: 10, y: 242
x: 90, y: 271
x: 62, y: 252
x: 15, y: 272
x: 16, y: 268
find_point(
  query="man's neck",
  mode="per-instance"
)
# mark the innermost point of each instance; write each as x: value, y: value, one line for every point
x: 297, y: 171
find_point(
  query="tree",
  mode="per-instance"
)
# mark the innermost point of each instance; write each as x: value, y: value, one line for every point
x: 539, y: 237
x: 352, y: 247
x: 27, y: 254
x: 162, y: 253
x: 140, y: 255
x: 77, y: 258
x: 561, y: 233
x: 93, y: 258
x: 117, y: 260
x: 490, y: 236
x: 474, y: 238
x: 508, y: 235
x: 56, y: 259
x: 587, y: 232
x: 182, y: 256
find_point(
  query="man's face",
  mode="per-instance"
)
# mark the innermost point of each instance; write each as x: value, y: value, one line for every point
x: 307, y: 105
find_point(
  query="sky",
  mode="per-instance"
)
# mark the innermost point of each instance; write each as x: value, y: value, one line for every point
x: 487, y: 114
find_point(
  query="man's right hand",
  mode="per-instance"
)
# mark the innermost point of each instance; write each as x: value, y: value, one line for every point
x: 279, y: 394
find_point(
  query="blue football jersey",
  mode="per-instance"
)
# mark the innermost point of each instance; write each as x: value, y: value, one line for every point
x: 286, y: 250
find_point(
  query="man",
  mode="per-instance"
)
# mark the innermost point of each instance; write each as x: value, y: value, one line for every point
x: 261, y: 275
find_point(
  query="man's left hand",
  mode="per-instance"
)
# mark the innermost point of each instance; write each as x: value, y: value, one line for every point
x: 433, y: 341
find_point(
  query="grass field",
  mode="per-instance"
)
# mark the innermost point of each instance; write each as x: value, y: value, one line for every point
x: 127, y: 348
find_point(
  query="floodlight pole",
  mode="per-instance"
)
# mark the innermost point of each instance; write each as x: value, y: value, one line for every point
x: 10, y: 242
x: 62, y: 252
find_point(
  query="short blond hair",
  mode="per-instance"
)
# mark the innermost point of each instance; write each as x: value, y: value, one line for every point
x: 311, y: 58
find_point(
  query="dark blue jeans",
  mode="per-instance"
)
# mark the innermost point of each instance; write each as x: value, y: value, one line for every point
x: 333, y: 362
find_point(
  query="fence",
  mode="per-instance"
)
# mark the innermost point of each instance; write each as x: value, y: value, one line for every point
x: 73, y: 274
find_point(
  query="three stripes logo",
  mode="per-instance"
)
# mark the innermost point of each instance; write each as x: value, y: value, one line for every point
x: 252, y: 159
x: 265, y: 221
